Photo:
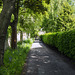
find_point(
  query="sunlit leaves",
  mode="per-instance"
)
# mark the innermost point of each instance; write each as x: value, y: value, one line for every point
x: 15, y: 59
x: 61, y: 17
x: 12, y: 18
x: 1, y: 5
x: 65, y: 17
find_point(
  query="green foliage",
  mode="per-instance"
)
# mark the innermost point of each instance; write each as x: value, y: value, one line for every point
x: 29, y: 22
x: 30, y: 41
x: 1, y: 5
x: 65, y: 20
x: 15, y: 59
x: 61, y: 16
x: 12, y: 18
x: 36, y: 5
x: 9, y: 31
x: 64, y: 41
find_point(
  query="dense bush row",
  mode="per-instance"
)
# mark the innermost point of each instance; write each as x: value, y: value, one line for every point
x: 15, y: 59
x: 64, y: 41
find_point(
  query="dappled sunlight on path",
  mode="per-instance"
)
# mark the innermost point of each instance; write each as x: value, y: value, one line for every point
x: 44, y: 61
x: 36, y: 45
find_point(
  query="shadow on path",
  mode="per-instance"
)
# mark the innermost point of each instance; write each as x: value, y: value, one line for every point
x: 42, y: 60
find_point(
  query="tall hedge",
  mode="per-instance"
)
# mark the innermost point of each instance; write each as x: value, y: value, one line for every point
x: 64, y: 41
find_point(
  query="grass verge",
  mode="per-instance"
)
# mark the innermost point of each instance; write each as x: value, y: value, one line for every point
x: 15, y: 59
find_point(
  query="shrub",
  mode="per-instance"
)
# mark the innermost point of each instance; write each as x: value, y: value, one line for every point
x: 64, y: 41
x: 15, y: 59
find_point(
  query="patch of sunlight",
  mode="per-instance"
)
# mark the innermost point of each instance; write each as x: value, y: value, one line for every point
x: 47, y: 62
x: 33, y: 56
x: 28, y: 71
x: 36, y: 45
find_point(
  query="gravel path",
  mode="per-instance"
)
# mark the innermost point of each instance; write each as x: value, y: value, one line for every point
x: 42, y: 60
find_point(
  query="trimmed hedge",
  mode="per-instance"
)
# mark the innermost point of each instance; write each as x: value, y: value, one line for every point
x: 64, y: 41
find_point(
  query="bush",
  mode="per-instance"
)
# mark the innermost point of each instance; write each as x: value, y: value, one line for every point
x: 26, y: 41
x: 64, y: 41
x: 15, y: 59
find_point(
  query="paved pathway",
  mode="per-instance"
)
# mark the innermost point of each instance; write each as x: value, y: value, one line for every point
x: 45, y: 61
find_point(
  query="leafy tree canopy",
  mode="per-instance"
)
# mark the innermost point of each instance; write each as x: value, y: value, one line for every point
x: 36, y: 5
x: 61, y: 16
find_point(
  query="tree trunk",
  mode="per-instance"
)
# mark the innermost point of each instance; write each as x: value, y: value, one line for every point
x: 14, y: 37
x: 21, y: 36
x: 5, y: 16
x: 14, y: 26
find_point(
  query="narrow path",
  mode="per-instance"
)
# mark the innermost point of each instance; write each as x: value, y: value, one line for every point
x: 45, y: 61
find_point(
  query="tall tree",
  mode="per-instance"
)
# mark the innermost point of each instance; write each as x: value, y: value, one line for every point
x: 14, y: 25
x: 11, y: 7
x: 5, y: 17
